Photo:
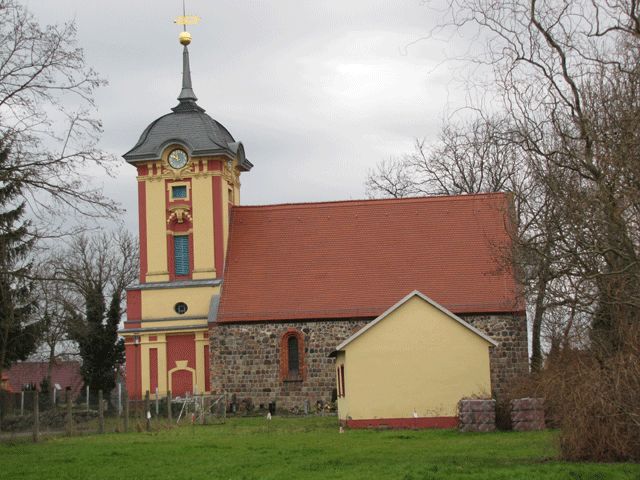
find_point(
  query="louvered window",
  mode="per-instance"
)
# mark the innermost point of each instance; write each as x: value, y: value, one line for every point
x: 179, y: 191
x: 181, y: 254
x: 293, y: 359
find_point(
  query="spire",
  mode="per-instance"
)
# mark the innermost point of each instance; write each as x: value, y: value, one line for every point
x: 187, y: 97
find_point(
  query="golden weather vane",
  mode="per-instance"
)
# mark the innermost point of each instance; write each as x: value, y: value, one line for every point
x: 184, y: 20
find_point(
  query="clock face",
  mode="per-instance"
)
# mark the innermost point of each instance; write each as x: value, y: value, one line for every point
x: 178, y: 158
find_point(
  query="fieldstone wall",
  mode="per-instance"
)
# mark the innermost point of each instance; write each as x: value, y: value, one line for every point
x: 527, y: 414
x: 476, y: 415
x: 245, y: 361
x: 245, y: 357
x: 510, y: 359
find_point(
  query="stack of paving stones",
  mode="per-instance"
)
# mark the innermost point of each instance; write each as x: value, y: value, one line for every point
x: 527, y: 414
x: 477, y: 415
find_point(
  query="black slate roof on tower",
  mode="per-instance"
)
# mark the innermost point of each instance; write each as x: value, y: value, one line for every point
x: 188, y: 125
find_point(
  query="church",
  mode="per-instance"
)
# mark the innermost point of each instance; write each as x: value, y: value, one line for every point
x: 252, y: 301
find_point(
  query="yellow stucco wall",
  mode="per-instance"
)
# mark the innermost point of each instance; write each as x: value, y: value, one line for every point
x: 203, y: 259
x: 159, y: 303
x: 417, y: 357
x: 156, y: 231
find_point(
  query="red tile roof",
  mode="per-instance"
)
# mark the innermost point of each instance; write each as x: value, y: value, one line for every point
x: 356, y: 258
x: 65, y: 374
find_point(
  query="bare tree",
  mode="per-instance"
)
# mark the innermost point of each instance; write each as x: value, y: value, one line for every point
x: 480, y: 156
x: 53, y: 302
x: 98, y: 269
x: 563, y: 78
x: 47, y: 115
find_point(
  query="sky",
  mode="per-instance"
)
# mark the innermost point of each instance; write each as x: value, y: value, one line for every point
x: 318, y: 91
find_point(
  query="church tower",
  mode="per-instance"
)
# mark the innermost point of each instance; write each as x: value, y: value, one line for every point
x: 188, y: 171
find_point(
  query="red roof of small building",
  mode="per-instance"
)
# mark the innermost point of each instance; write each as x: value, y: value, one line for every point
x: 65, y: 374
x: 356, y: 258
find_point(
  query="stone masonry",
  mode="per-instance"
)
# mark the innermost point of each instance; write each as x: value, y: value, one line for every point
x: 245, y: 361
x: 510, y: 359
x: 245, y: 357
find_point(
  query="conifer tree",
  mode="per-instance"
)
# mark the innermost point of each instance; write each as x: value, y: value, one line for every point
x: 99, y: 269
x: 18, y: 335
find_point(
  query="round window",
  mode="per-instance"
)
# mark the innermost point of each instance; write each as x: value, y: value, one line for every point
x: 181, y: 308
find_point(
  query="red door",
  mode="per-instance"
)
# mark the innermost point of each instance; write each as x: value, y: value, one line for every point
x: 181, y: 383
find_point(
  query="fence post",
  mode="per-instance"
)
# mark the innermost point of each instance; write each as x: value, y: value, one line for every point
x: 100, y: 413
x: 36, y: 417
x: 2, y: 403
x: 69, y: 414
x: 205, y: 408
x: 87, y: 398
x: 119, y: 398
x: 147, y: 410
x: 157, y: 403
x: 22, y: 403
x: 126, y: 411
x: 169, y: 412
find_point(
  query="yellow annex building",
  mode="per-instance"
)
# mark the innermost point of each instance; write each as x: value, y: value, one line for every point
x: 410, y: 366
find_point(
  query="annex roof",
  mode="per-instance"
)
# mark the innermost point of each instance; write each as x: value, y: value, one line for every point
x: 393, y: 308
x: 352, y: 259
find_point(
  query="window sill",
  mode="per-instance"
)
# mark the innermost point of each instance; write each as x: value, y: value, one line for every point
x: 292, y: 379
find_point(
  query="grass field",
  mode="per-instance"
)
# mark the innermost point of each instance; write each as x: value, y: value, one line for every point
x: 299, y: 448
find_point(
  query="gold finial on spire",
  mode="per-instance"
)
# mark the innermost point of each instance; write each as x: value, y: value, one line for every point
x: 184, y: 20
x: 184, y: 38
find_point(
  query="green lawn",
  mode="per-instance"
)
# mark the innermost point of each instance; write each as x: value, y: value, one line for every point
x: 297, y: 448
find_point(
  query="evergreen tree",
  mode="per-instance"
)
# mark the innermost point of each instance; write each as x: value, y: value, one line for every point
x: 18, y: 336
x: 99, y: 269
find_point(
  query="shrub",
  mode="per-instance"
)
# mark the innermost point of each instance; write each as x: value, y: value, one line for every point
x: 593, y: 400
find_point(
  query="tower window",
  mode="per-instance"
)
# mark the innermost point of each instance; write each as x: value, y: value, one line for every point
x: 181, y: 308
x: 179, y: 191
x: 181, y: 254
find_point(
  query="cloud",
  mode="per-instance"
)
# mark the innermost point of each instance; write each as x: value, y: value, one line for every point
x: 318, y: 92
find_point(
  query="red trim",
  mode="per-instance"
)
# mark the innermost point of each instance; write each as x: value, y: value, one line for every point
x: 134, y: 371
x: 420, y: 422
x: 214, y: 165
x: 218, y: 234
x: 142, y: 225
x: 134, y: 305
x: 153, y: 369
x: 207, y: 378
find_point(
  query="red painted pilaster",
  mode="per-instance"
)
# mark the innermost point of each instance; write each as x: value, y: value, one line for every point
x: 142, y: 224
x: 218, y: 233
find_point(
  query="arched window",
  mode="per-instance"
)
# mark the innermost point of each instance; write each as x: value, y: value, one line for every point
x: 292, y: 356
x: 293, y: 360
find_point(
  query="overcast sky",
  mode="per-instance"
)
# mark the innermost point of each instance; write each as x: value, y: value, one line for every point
x: 317, y: 91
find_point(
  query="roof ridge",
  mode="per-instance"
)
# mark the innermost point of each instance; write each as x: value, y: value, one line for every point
x: 431, y: 198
